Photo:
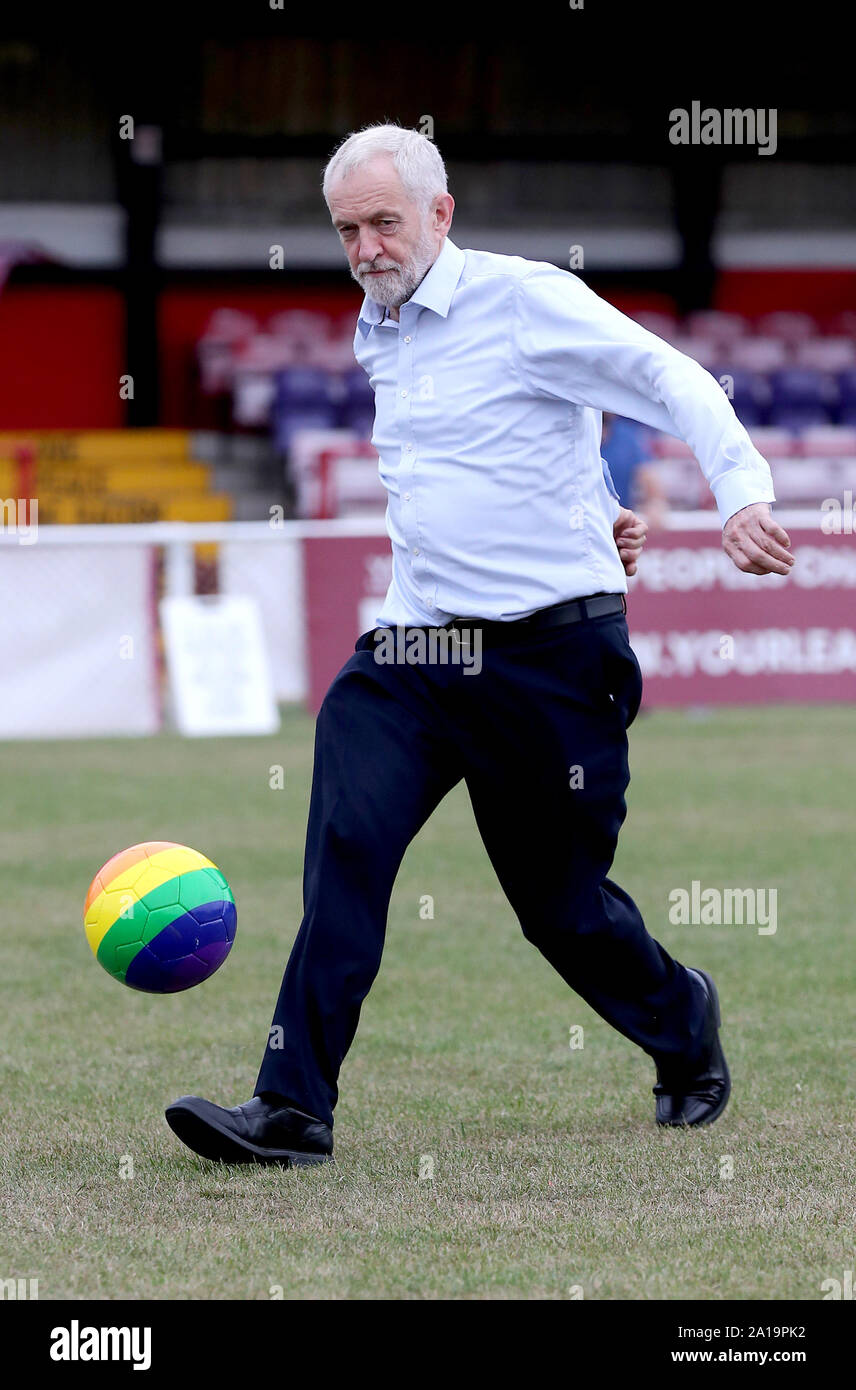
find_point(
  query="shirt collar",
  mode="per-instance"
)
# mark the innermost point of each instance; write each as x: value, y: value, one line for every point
x: 435, y: 292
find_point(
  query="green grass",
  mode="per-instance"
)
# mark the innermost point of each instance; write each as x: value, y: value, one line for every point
x: 548, y: 1172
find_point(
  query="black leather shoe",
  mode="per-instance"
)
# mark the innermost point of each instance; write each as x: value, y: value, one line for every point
x: 263, y: 1130
x: 698, y: 1094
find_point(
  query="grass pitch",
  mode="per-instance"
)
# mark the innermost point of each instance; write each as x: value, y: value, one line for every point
x: 478, y: 1155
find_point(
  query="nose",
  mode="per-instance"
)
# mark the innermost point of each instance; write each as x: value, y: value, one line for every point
x: 369, y: 245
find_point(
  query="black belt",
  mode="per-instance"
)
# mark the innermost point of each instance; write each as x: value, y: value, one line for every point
x: 559, y: 615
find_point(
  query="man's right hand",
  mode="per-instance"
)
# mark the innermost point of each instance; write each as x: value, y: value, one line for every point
x: 755, y: 542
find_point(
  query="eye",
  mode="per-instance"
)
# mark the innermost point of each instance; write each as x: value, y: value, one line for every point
x: 387, y: 223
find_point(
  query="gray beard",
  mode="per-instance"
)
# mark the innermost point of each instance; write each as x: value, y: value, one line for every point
x: 394, y: 287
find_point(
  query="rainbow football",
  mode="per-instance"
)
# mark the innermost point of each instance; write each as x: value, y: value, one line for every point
x: 160, y: 917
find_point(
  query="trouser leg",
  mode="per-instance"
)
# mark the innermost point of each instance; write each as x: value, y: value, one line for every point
x: 547, y: 784
x: 381, y: 766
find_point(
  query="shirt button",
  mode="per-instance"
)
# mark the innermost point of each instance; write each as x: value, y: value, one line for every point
x: 407, y: 496
x: 416, y: 552
x: 407, y: 339
x: 404, y: 393
x: 409, y: 448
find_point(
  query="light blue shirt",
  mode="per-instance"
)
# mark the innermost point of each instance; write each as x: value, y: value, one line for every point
x: 488, y: 399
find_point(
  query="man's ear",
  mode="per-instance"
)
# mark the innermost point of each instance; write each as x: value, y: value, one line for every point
x: 441, y: 214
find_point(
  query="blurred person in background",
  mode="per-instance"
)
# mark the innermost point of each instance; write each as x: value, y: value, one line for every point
x: 625, y: 447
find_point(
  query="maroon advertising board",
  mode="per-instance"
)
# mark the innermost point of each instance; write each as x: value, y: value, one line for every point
x: 704, y: 632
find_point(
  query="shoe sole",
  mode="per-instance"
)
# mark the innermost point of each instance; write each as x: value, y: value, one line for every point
x: 726, y: 1092
x: 211, y: 1140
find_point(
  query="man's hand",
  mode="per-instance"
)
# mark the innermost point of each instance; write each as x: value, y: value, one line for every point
x: 755, y: 542
x: 629, y: 531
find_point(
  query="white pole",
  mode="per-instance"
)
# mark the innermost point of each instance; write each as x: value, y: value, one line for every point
x: 179, y: 569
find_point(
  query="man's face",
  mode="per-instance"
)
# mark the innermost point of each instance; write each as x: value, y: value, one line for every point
x: 390, y: 242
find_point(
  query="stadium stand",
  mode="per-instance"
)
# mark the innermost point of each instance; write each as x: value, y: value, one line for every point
x: 791, y: 378
x: 110, y: 476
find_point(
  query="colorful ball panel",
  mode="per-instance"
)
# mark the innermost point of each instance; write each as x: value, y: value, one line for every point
x: 160, y: 917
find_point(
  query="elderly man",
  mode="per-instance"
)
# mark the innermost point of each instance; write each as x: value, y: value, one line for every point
x: 490, y: 374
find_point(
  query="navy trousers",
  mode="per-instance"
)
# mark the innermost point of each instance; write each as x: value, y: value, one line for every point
x: 391, y: 741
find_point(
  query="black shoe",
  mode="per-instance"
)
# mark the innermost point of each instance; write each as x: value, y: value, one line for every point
x: 696, y: 1095
x: 260, y: 1131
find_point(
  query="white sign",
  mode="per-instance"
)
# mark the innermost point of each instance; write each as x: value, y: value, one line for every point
x: 78, y: 637
x: 219, y: 672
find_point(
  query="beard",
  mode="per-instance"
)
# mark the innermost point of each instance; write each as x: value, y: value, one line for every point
x: 394, y: 286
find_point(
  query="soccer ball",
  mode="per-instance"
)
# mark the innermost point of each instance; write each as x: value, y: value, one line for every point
x: 160, y: 917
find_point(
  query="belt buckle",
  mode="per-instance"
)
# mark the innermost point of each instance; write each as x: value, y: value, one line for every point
x: 455, y: 631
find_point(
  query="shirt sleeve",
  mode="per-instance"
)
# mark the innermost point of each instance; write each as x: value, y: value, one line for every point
x: 570, y: 344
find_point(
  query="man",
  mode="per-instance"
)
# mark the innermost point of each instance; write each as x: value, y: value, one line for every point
x: 490, y: 375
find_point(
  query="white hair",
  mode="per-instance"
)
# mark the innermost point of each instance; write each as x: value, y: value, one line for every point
x: 416, y: 160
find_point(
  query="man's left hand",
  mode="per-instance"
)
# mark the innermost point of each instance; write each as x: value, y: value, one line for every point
x: 629, y: 531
